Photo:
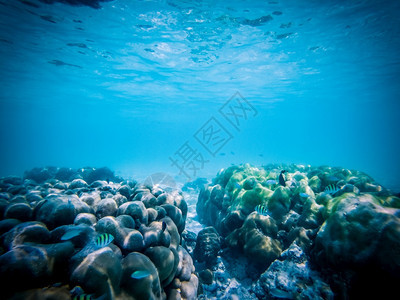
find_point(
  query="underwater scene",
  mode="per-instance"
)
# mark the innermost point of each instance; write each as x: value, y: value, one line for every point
x: 181, y: 149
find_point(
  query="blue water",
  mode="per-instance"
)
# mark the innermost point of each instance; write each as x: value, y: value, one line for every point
x: 126, y: 85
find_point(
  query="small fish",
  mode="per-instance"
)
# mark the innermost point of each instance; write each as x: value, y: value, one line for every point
x: 83, y: 297
x: 262, y: 210
x: 59, y: 63
x: 331, y: 189
x: 140, y: 274
x: 70, y: 234
x: 271, y: 182
x: 304, y: 195
x: 282, y: 178
x: 103, y: 240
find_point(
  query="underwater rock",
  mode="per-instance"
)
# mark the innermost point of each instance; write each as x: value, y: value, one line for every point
x: 148, y: 199
x: 155, y: 235
x: 48, y: 293
x: 3, y: 206
x: 99, y: 184
x: 119, y: 199
x: 205, y: 208
x: 279, y: 203
x: 33, y: 196
x: 125, y: 190
x: 13, y: 180
x: 232, y: 221
x: 77, y: 184
x: 135, y: 209
x: 358, y: 239
x: 291, y: 278
x: 258, y: 239
x: 4, y: 195
x: 175, y: 238
x: 20, y: 211
x: 58, y: 256
x: 70, y: 254
x: 208, y: 244
x: 8, y: 224
x: 26, y: 265
x: 189, y: 288
x: 311, y: 214
x: 18, y: 199
x: 61, y: 185
x: 166, y: 261
x: 39, y: 175
x: 352, y: 233
x: 176, y: 215
x: 106, y: 207
x: 189, y: 241
x: 161, y: 213
x: 307, y: 212
x: 57, y: 210
x: 145, y: 288
x: 133, y: 241
x: 28, y: 232
x: 16, y: 189
x: 206, y: 276
x: 91, y: 199
x: 65, y: 174
x: 152, y: 213
x: 185, y: 266
x: 126, y: 221
x: 99, y: 273
x: 185, y: 282
x: 85, y: 218
x: 104, y: 173
x: 300, y: 236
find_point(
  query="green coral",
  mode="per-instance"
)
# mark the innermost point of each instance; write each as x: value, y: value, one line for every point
x: 279, y: 203
x: 300, y: 210
x: 257, y: 239
x: 247, y: 200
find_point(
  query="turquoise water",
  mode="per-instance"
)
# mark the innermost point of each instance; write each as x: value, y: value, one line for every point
x: 127, y: 84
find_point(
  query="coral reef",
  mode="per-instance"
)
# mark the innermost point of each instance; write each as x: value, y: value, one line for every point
x: 314, y: 233
x: 306, y: 233
x: 62, y: 229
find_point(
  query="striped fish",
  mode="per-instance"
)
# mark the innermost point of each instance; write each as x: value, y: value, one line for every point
x: 262, y: 210
x: 331, y: 189
x: 103, y: 240
x: 83, y: 297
